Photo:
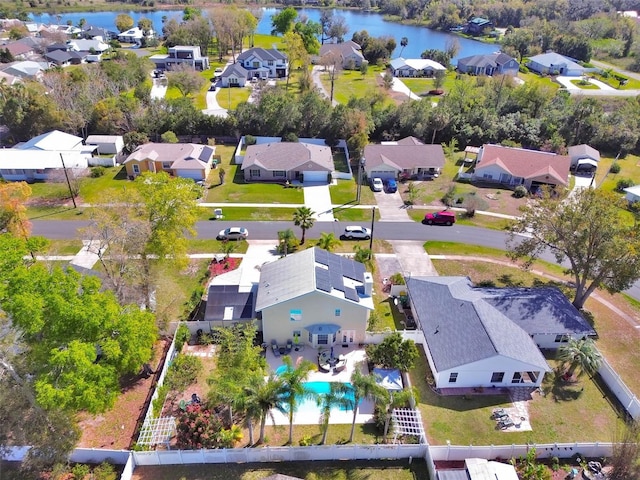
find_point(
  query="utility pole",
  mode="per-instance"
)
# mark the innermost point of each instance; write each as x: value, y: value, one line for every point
x: 361, y: 163
x: 66, y: 175
x: 373, y: 218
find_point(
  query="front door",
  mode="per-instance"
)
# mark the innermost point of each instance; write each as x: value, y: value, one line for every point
x: 348, y: 336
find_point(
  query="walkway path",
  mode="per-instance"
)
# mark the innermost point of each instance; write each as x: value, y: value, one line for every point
x: 399, y: 86
x: 159, y: 88
x: 315, y: 74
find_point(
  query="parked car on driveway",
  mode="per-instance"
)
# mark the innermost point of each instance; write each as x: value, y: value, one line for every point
x: 233, y: 233
x: 217, y: 72
x: 356, y: 231
x: 391, y: 186
x: 377, y: 185
x: 440, y: 218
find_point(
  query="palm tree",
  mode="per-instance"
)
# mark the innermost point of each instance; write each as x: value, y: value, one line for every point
x: 364, y: 387
x: 403, y: 43
x: 248, y: 403
x: 303, y: 218
x: 294, y: 388
x: 286, y: 241
x: 269, y: 396
x: 395, y: 400
x: 580, y: 355
x: 328, y: 241
x: 335, y: 397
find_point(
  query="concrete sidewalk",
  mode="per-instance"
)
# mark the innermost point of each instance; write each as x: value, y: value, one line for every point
x: 399, y: 86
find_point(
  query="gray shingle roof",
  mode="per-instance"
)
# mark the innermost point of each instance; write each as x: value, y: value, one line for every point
x: 584, y: 151
x: 308, y: 271
x: 404, y: 156
x: 236, y: 69
x: 263, y: 54
x: 488, y: 60
x: 460, y: 327
x: 58, y: 56
x: 288, y: 156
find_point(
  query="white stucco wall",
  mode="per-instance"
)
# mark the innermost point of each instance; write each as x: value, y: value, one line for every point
x: 478, y: 374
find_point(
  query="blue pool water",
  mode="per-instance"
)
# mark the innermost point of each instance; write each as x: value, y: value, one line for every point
x: 281, y: 369
x: 308, y: 406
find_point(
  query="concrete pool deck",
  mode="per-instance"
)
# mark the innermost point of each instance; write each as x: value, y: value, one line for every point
x: 309, y: 413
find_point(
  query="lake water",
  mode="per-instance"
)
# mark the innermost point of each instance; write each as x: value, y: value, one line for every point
x: 420, y: 38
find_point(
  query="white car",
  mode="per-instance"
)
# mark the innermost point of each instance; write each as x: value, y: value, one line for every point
x: 355, y: 231
x: 377, y: 185
x: 217, y: 72
x: 233, y: 233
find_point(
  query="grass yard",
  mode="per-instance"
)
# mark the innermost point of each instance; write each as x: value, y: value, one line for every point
x: 584, y: 85
x: 535, y: 78
x: 484, y: 221
x: 421, y: 86
x: 57, y: 212
x: 351, y: 83
x: 202, y: 245
x: 249, y: 213
x: 628, y: 169
x: 230, y: 98
x: 347, y: 214
x: 342, y: 470
x: 64, y: 247
x: 344, y: 192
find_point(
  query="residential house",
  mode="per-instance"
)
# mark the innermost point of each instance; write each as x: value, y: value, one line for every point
x: 234, y: 76
x: 316, y: 298
x: 518, y: 166
x: 349, y: 52
x: 632, y: 194
x: 490, y: 64
x: 415, y: 67
x: 287, y: 161
x: 552, y: 63
x: 19, y: 50
x: 26, y: 69
x: 478, y: 26
x: 134, y: 35
x: 106, y: 144
x: 8, y: 79
x: 406, y: 158
x: 98, y: 33
x: 486, y: 337
x: 584, y: 158
x: 229, y: 304
x: 52, y: 47
x: 479, y: 469
x: 264, y: 63
x: 187, y: 160
x: 68, y: 30
x: 60, y: 58
x: 90, y: 45
x: 181, y: 54
x: 37, y: 158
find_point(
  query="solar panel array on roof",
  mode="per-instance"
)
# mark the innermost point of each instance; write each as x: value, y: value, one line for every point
x: 322, y: 256
x: 337, y: 281
x: 224, y: 296
x: 351, y: 269
x: 323, y: 280
x: 351, y: 294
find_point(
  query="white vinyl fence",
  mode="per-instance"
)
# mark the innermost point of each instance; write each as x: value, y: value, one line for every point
x: 625, y: 396
x: 506, y: 452
x: 280, y: 454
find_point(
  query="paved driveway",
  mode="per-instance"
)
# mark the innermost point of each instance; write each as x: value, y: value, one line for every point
x: 213, y: 108
x: 159, y: 88
x: 392, y: 208
x: 415, y: 262
x: 318, y: 199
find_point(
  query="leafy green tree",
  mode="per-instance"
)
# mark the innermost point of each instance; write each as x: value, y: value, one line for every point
x: 303, y: 218
x: 13, y: 217
x: 601, y: 248
x: 364, y: 387
x: 124, y: 22
x: 395, y: 399
x: 27, y: 111
x: 580, y: 356
x: 146, y: 25
x: 294, y: 389
x: 185, y: 79
x: 283, y: 22
x: 393, y: 352
x: 309, y: 32
x: 189, y: 13
x: 169, y: 137
x: 298, y: 55
x: 328, y: 241
x: 335, y: 397
x: 287, y: 242
x: 529, y: 469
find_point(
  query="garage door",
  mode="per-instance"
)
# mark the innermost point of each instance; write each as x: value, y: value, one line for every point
x: 315, y: 176
x: 382, y: 174
x: 195, y: 174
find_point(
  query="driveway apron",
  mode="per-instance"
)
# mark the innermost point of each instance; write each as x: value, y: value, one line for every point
x: 391, y: 207
x: 415, y: 262
x: 318, y: 199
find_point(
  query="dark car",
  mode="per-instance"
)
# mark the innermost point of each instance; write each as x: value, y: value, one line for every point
x: 440, y: 218
x: 390, y: 185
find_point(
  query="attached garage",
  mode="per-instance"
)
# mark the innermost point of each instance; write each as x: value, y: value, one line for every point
x: 197, y: 175
x: 383, y: 174
x: 315, y: 176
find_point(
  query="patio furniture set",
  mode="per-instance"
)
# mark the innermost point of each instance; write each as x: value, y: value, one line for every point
x: 287, y: 349
x: 503, y: 419
x: 327, y: 361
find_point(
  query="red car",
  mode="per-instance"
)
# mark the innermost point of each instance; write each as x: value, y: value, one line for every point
x: 440, y: 218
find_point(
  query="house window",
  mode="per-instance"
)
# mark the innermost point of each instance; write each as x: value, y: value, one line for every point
x: 337, y: 313
x: 254, y: 173
x: 40, y: 171
x: 562, y: 338
x: 279, y: 173
x: 295, y: 315
x: 256, y: 64
x: 136, y: 168
x: 310, y: 337
x: 323, y: 339
x: 517, y: 378
x: 453, y: 378
x: 497, y: 377
x: 270, y: 63
x: 487, y: 176
x: 166, y: 165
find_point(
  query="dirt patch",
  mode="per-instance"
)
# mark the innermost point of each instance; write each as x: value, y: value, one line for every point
x: 116, y: 428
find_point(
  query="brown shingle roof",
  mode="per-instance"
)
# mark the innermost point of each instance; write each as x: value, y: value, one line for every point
x: 527, y: 164
x: 406, y: 154
x: 181, y: 155
x: 288, y: 156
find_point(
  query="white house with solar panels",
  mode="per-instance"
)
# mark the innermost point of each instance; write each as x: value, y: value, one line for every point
x: 316, y: 298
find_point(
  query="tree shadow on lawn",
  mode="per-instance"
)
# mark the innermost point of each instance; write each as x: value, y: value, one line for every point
x: 561, y: 389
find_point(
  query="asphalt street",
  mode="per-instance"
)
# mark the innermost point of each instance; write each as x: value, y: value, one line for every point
x: 68, y: 229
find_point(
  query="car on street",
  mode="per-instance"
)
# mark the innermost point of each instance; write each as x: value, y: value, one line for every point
x: 377, y: 185
x: 217, y: 72
x: 356, y: 231
x: 390, y: 185
x: 233, y: 233
x: 440, y: 218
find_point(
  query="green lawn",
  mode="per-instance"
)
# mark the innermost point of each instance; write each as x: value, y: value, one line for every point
x: 420, y: 86
x: 230, y: 98
x: 347, y: 214
x: 351, y: 83
x: 342, y: 470
x: 236, y: 190
x: 268, y: 41
x: 64, y: 247
x: 534, y: 77
x: 484, y: 221
x: 249, y: 214
x: 628, y: 169
x: 584, y: 85
x: 202, y: 245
